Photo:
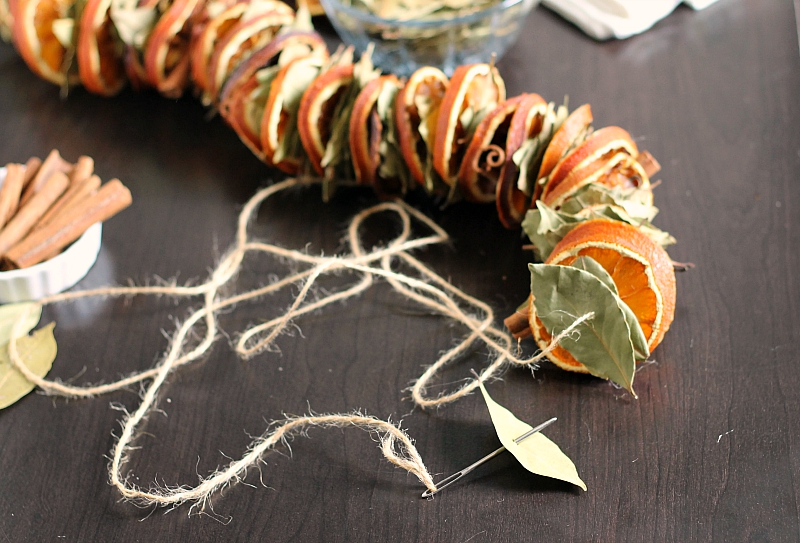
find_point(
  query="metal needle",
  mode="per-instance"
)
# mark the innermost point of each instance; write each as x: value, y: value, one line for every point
x: 447, y: 481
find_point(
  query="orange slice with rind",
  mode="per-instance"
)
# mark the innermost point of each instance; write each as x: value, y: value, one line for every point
x: 280, y: 117
x: 416, y: 110
x: 572, y: 132
x: 585, y: 160
x: 475, y: 89
x: 205, y: 37
x: 486, y: 154
x: 166, y: 59
x: 134, y: 53
x: 316, y: 111
x: 246, y: 37
x: 370, y: 138
x: 527, y: 123
x: 39, y: 40
x: 99, y: 50
x: 640, y: 268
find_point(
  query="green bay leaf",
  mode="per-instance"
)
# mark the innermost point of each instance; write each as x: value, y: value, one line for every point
x: 536, y: 453
x: 545, y: 227
x: 10, y: 314
x: 562, y: 294
x: 37, y: 352
x: 589, y: 264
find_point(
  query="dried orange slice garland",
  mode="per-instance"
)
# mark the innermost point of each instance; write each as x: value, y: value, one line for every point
x: 583, y: 196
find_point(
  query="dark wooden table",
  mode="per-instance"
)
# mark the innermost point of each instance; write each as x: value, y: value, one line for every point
x: 710, y: 451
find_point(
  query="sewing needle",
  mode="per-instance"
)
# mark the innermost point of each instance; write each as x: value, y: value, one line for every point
x: 447, y: 481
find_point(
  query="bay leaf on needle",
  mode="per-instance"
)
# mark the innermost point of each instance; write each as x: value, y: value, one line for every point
x: 536, y: 453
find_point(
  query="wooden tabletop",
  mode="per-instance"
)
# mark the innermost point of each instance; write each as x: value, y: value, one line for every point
x: 709, y: 451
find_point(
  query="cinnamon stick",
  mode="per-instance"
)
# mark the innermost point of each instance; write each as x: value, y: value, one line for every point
x: 649, y: 163
x: 82, y: 170
x: 10, y: 192
x: 51, y: 164
x: 518, y: 324
x: 30, y: 212
x: 31, y: 169
x: 68, y: 226
x: 73, y: 194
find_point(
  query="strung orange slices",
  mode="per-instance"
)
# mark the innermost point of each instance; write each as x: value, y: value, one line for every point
x: 255, y: 29
x: 581, y: 194
x: 243, y: 98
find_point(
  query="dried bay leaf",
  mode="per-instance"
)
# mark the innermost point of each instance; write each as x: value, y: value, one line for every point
x: 133, y: 24
x: 536, y: 453
x: 546, y: 226
x: 37, y: 353
x: 336, y: 160
x: 299, y: 78
x: 528, y: 157
x: 561, y: 294
x: 589, y: 264
x: 257, y: 100
x: 10, y: 313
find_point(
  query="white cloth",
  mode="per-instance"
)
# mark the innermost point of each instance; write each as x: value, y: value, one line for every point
x: 604, y: 19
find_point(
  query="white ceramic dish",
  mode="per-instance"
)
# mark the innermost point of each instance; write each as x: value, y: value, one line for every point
x: 54, y: 275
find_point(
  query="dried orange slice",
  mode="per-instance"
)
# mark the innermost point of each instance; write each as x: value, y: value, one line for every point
x: 284, y: 48
x: 528, y: 120
x: 474, y: 91
x: 571, y: 133
x: 205, y: 37
x: 166, y: 59
x: 316, y: 111
x: 36, y: 37
x: 134, y: 55
x: 367, y: 135
x: 280, y: 139
x: 417, y: 106
x: 99, y: 50
x: 485, y: 155
x: 602, y: 152
x: 250, y: 34
x: 640, y: 268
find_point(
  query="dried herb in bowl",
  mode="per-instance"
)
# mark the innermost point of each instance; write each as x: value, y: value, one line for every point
x: 421, y: 10
x: 409, y: 34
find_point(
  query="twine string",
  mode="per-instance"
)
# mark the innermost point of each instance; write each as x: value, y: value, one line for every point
x: 425, y: 287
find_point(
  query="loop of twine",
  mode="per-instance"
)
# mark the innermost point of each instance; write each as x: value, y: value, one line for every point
x: 428, y: 289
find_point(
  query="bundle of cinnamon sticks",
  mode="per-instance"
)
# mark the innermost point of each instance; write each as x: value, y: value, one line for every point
x: 46, y: 205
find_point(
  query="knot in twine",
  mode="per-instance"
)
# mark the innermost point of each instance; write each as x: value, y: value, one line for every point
x: 426, y: 288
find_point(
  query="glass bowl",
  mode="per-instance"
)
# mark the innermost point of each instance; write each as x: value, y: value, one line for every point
x: 402, y: 46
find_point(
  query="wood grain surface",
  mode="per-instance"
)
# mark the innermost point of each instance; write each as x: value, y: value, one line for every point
x: 709, y: 452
